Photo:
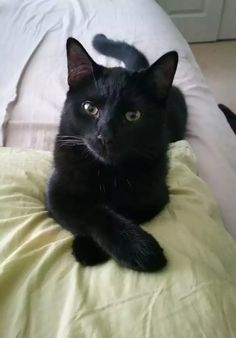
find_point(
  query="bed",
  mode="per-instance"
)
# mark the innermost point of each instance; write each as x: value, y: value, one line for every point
x: 43, y: 292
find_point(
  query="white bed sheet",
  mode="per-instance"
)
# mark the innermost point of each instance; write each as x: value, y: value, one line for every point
x: 33, y: 77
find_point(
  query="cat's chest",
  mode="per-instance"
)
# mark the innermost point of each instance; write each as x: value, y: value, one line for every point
x: 114, y: 188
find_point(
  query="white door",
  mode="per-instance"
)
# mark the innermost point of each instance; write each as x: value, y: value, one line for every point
x: 197, y: 20
x: 228, y: 20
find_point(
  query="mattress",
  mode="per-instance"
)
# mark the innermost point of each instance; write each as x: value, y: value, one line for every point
x: 33, y: 77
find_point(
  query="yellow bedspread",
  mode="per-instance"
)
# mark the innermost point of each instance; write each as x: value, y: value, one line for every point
x: 45, y: 293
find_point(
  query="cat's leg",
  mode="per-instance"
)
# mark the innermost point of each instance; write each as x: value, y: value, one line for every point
x: 87, y: 252
x: 123, y: 240
x: 69, y: 213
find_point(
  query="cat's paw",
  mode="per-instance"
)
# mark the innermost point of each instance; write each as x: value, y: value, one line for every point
x: 142, y: 253
x: 88, y: 252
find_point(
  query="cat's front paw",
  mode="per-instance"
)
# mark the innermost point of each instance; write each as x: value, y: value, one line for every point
x: 88, y: 252
x: 142, y: 253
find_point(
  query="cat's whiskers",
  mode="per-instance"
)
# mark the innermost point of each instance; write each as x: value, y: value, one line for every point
x: 69, y: 140
x: 67, y: 137
x: 69, y: 143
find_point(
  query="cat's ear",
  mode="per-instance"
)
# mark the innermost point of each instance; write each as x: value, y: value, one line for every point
x: 79, y: 62
x: 161, y: 73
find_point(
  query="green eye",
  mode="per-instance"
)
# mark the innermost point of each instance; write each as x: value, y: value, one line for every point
x: 133, y: 116
x: 90, y: 109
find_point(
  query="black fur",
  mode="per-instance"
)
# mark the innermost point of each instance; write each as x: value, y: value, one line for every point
x: 132, y: 58
x: 110, y: 174
x: 230, y: 116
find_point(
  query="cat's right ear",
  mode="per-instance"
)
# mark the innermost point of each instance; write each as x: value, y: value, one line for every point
x: 159, y: 76
x: 79, y: 62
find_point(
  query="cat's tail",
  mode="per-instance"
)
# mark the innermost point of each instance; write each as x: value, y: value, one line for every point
x: 133, y: 59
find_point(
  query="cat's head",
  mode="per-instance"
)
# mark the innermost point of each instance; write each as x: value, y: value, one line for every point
x: 113, y: 112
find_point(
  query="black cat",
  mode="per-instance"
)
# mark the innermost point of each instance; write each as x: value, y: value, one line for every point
x: 110, y: 157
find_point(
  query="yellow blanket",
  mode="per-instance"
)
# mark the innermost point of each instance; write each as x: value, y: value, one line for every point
x: 45, y: 293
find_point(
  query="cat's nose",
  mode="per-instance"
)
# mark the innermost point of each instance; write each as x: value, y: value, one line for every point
x: 105, y: 134
x: 100, y: 139
x: 106, y: 142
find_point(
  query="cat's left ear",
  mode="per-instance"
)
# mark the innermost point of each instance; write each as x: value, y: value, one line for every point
x: 160, y: 74
x: 79, y: 62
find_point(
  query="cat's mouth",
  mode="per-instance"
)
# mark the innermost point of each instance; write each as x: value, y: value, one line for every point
x: 102, y: 152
